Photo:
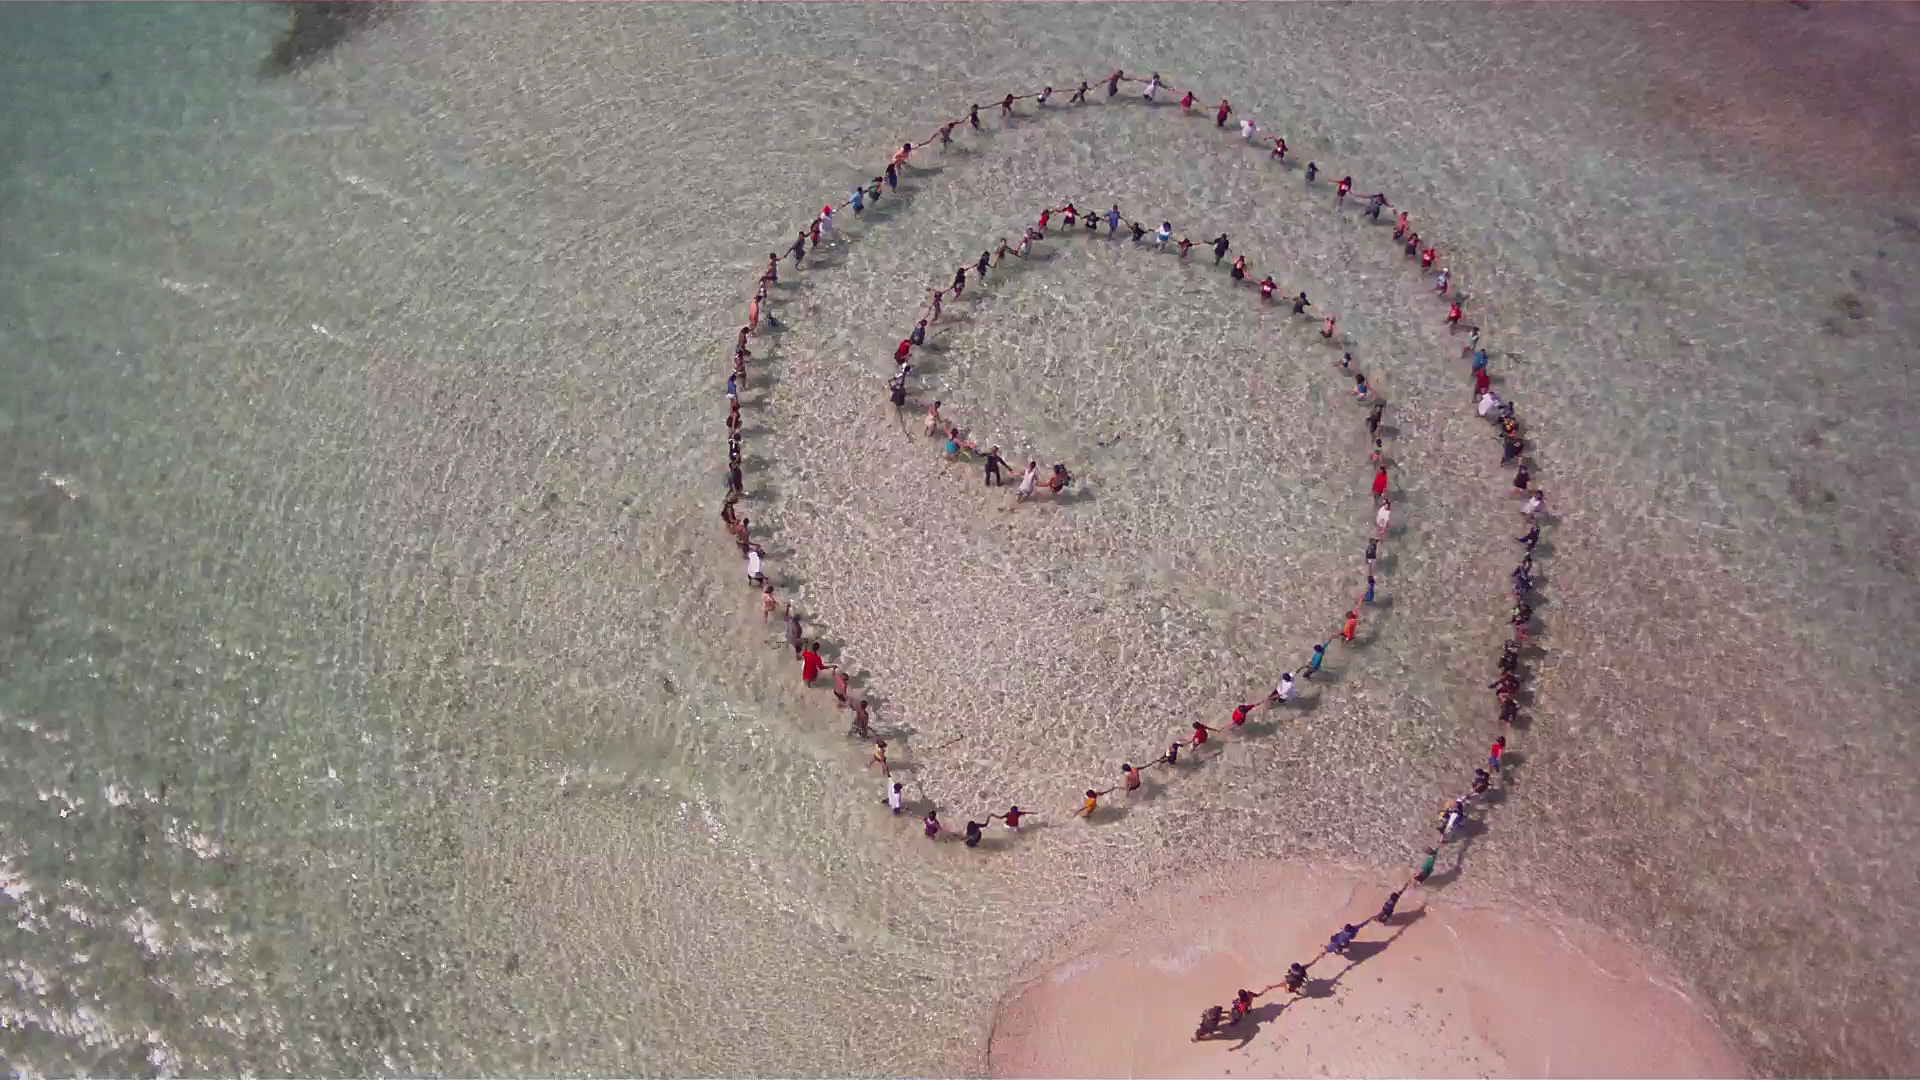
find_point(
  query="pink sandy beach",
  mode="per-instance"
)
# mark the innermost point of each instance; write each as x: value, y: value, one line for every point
x: 1451, y: 987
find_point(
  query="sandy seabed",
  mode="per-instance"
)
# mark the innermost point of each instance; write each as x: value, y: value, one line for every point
x: 382, y: 696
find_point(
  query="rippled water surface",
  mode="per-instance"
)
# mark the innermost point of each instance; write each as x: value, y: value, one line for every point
x: 379, y: 695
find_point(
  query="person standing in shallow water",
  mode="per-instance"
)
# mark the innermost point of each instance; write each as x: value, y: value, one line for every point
x: 897, y: 394
x: 1313, y: 662
x: 1282, y: 693
x: 1091, y: 803
x: 1220, y: 246
x: 993, y: 464
x: 1028, y: 481
x: 811, y: 665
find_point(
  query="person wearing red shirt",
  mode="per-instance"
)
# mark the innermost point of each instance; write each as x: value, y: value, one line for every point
x: 1240, y: 713
x: 1380, y: 481
x: 1353, y: 624
x: 1200, y: 731
x: 1220, y: 118
x: 902, y: 351
x: 1481, y: 382
x: 1453, y: 315
x: 811, y: 665
x: 1011, y: 817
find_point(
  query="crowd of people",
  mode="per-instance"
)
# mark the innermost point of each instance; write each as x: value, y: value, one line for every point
x: 1508, y: 684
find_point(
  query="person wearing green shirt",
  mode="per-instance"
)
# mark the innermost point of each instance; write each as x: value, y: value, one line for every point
x: 1426, y: 865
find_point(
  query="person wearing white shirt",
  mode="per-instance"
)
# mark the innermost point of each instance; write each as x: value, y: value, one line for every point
x: 1284, y: 691
x: 756, y: 571
x: 1382, y: 516
x: 895, y: 798
x: 1488, y: 403
x: 1247, y: 129
x: 1027, y: 481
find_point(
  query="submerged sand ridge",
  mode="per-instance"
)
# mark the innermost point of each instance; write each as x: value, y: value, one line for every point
x: 1451, y: 986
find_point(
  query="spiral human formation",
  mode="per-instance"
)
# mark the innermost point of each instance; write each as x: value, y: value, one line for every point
x: 1510, y: 673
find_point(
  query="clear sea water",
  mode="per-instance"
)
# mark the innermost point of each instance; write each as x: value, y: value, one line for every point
x: 377, y: 693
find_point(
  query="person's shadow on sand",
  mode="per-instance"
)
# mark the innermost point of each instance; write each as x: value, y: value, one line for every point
x: 1361, y: 951
x: 1249, y: 1026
